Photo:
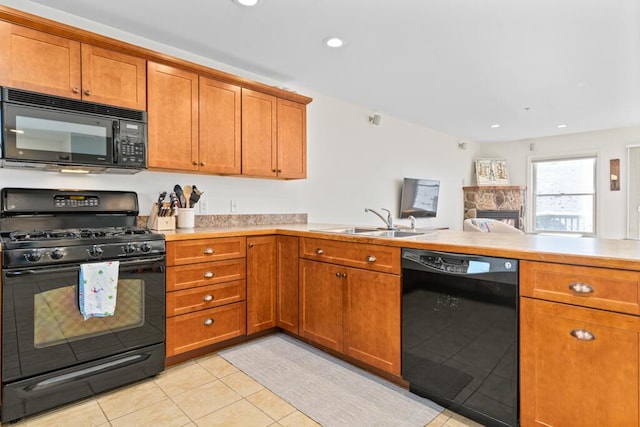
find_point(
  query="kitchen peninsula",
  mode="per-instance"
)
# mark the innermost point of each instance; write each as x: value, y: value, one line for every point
x: 571, y: 289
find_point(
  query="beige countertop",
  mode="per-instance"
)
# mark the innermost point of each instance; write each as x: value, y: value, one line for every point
x: 587, y: 251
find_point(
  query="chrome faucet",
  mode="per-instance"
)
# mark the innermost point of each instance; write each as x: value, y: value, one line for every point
x: 413, y: 221
x: 388, y: 221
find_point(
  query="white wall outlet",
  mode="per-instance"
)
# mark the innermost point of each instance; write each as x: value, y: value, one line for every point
x: 234, y: 206
x: 202, y: 203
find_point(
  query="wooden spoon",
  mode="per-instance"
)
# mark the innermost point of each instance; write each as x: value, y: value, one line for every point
x: 187, y: 190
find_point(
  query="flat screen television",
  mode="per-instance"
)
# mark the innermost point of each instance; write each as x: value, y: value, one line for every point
x: 419, y: 198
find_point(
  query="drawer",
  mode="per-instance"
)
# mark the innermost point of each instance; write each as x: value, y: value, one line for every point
x: 203, y: 297
x: 359, y: 255
x: 607, y: 289
x: 203, y: 250
x: 206, y: 273
x: 202, y: 328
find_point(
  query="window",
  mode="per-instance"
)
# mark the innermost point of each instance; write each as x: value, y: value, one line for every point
x: 564, y: 195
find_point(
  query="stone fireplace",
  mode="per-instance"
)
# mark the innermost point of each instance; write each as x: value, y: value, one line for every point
x: 502, y: 202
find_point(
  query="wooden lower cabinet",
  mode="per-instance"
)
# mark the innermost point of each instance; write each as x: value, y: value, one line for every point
x: 201, y: 328
x: 261, y: 283
x: 353, y: 311
x: 321, y: 303
x: 206, y: 292
x: 579, y: 366
x: 287, y: 283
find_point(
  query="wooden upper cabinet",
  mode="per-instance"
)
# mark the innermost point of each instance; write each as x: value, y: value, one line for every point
x: 292, y: 139
x: 220, y: 143
x: 274, y: 136
x: 41, y: 62
x: 113, y: 78
x: 259, y: 132
x: 172, y: 97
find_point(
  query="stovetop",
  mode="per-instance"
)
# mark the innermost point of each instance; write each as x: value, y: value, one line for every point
x: 73, y: 234
x: 49, y: 226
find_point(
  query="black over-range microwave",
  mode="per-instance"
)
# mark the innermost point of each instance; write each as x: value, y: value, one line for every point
x: 52, y: 133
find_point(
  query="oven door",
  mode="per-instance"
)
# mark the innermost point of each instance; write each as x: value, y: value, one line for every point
x: 34, y: 134
x: 43, y: 329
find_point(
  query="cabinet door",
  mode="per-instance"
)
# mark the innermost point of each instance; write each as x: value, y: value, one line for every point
x: 261, y: 283
x: 220, y: 127
x: 579, y: 366
x: 321, y: 302
x: 259, y: 114
x: 173, y: 118
x: 287, y: 283
x: 372, y: 319
x: 40, y: 62
x: 113, y: 78
x: 292, y: 139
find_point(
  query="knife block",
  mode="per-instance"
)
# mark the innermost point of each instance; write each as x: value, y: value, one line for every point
x: 160, y: 223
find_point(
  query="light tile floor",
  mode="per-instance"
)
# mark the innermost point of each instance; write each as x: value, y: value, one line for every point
x: 205, y: 392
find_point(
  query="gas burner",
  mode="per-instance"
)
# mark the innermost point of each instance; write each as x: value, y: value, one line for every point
x: 21, y: 236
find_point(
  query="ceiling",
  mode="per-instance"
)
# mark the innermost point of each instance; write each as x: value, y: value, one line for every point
x: 456, y: 66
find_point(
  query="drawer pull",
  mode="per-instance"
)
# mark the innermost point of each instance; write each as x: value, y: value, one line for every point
x: 250, y: 245
x: 208, y: 298
x: 209, y: 251
x: 581, y: 288
x: 209, y: 274
x: 371, y: 258
x: 582, y: 334
x: 208, y: 322
x: 344, y: 275
x: 337, y: 274
x: 319, y: 251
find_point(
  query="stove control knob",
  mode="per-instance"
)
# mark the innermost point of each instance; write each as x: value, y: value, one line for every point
x: 145, y: 247
x: 95, y: 251
x: 129, y: 249
x: 34, y: 255
x: 57, y: 253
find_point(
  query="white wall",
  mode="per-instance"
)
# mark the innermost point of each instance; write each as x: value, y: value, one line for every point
x: 351, y: 164
x: 608, y: 144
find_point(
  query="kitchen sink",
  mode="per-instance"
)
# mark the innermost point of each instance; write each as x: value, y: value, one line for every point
x: 391, y: 233
x: 372, y: 232
x: 350, y: 230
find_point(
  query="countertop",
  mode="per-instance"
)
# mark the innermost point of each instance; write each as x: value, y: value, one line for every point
x: 587, y: 251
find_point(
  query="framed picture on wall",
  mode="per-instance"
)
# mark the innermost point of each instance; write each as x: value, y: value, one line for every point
x: 491, y: 172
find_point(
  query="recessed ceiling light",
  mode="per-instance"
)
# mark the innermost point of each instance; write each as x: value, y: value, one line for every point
x: 495, y: 126
x: 334, y: 42
x: 248, y: 3
x: 561, y: 126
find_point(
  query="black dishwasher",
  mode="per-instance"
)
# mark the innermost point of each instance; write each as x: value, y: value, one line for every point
x: 460, y: 333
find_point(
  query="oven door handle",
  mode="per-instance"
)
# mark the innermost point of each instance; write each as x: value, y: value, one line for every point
x: 77, y: 267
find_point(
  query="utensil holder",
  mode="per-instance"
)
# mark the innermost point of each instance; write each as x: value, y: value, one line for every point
x: 186, y: 217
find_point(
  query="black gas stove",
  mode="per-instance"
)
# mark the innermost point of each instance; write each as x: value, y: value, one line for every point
x: 52, y: 353
x: 44, y: 226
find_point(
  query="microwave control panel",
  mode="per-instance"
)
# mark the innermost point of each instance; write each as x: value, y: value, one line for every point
x: 131, y: 144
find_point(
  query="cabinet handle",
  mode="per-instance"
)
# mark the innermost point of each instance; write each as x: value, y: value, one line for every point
x: 371, y: 258
x: 87, y: 92
x: 279, y: 171
x: 203, y: 163
x: 581, y: 288
x: 274, y: 170
x: 208, y: 298
x: 319, y: 251
x: 209, y: 274
x: 337, y: 274
x: 75, y: 90
x: 582, y: 334
x: 209, y: 251
x: 344, y: 275
x: 250, y: 245
x: 195, y: 163
x: 208, y: 322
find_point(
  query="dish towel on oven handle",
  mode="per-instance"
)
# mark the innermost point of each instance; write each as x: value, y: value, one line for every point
x: 98, y: 288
